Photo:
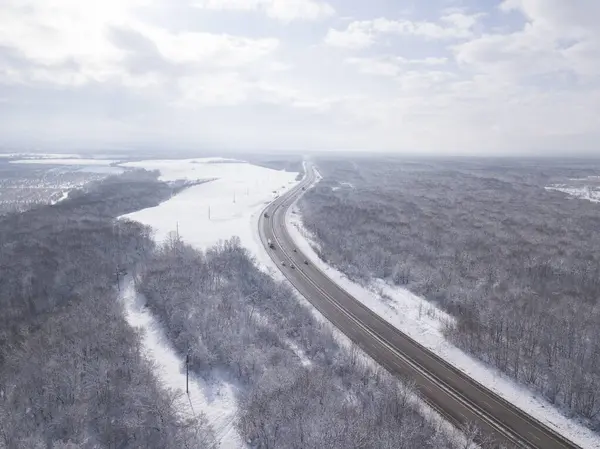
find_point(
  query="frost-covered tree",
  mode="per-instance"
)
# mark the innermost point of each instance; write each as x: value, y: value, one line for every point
x: 71, y: 369
x: 516, y: 264
x: 234, y: 319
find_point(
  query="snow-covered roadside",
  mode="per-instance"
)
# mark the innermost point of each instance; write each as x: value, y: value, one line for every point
x: 216, y: 401
x: 424, y: 322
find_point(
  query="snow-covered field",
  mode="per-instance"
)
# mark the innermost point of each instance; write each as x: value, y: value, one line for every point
x: 217, y: 210
x: 424, y: 322
x: 228, y: 206
x: 582, y: 188
x: 586, y: 192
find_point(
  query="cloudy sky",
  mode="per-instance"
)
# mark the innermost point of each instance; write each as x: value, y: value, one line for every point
x: 418, y: 76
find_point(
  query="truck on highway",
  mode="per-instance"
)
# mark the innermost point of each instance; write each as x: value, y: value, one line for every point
x: 270, y: 243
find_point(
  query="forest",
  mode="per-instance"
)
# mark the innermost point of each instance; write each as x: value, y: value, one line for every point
x: 72, y: 373
x: 71, y: 369
x: 229, y: 317
x: 516, y: 264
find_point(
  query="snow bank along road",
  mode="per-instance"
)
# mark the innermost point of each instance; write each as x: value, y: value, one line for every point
x: 450, y: 391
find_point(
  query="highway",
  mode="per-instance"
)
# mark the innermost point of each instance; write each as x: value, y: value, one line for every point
x: 451, y: 392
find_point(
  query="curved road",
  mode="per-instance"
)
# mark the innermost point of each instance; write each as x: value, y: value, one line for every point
x: 450, y: 391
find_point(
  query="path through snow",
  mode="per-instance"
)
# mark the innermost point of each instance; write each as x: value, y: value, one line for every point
x: 215, y: 400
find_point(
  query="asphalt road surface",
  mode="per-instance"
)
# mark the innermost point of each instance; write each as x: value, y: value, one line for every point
x: 450, y: 391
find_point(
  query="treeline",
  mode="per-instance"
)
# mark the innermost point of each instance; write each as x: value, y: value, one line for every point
x: 106, y: 199
x: 518, y: 266
x: 230, y: 317
x: 71, y: 370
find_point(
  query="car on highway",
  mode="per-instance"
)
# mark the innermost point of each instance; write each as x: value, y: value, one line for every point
x: 292, y: 266
x: 305, y: 262
x: 283, y: 263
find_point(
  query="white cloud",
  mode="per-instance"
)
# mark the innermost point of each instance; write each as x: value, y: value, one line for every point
x: 50, y: 33
x: 216, y: 89
x: 220, y: 50
x: 387, y: 65
x: 577, y: 18
x: 356, y: 36
x: 462, y: 24
x: 284, y: 10
x: 156, y: 71
x: 535, y: 88
x: 364, y: 33
x: 558, y: 38
x: 570, y: 30
x: 76, y: 43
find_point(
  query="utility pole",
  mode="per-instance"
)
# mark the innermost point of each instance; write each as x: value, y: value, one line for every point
x: 209, y: 211
x: 177, y: 229
x: 234, y: 197
x: 118, y: 255
x: 187, y: 373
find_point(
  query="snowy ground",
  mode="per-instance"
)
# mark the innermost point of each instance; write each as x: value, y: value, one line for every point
x: 586, y: 192
x: 216, y: 401
x: 587, y: 188
x: 424, y: 322
x: 218, y: 210
x: 228, y: 206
